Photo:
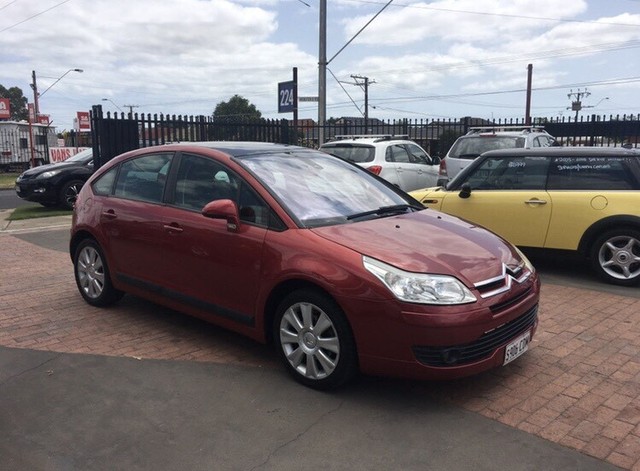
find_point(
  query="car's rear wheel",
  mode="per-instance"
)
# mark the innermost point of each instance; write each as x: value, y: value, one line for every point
x: 69, y: 193
x: 92, y: 275
x: 314, y: 340
x: 616, y: 256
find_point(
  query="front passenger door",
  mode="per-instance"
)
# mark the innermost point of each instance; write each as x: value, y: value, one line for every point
x: 508, y: 197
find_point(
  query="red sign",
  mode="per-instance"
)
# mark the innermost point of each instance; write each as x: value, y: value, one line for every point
x: 5, y: 108
x: 43, y: 119
x: 84, y: 123
x: 32, y: 112
x: 60, y: 154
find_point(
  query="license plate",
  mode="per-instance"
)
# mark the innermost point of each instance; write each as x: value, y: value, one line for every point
x: 517, y: 347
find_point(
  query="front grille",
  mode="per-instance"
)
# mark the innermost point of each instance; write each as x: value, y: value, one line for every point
x: 455, y: 355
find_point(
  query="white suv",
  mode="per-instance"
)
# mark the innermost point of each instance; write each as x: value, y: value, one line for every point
x: 482, y: 139
x: 395, y: 158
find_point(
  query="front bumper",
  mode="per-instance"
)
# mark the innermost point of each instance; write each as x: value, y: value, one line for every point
x: 437, y: 343
x: 36, y: 191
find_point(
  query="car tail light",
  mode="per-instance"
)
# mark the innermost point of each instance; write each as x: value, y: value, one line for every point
x: 443, y: 168
x: 375, y: 169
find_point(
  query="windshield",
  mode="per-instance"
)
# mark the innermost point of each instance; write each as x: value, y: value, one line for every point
x: 319, y: 190
x: 357, y: 153
x: 82, y: 156
x: 471, y: 147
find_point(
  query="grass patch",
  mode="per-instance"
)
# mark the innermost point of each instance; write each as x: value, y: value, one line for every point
x: 36, y: 211
x: 8, y: 181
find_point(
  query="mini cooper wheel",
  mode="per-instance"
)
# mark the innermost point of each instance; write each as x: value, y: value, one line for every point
x: 314, y: 340
x: 616, y: 256
x: 69, y: 193
x: 92, y: 275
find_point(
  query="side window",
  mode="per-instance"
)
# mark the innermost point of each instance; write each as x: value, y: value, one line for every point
x: 417, y: 155
x: 104, y: 185
x: 201, y: 180
x: 397, y: 153
x: 252, y: 209
x: 500, y: 173
x: 143, y: 178
x: 591, y: 173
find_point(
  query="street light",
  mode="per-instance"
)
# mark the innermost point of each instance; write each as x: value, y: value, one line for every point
x: 109, y: 100
x: 34, y: 86
x: 60, y: 78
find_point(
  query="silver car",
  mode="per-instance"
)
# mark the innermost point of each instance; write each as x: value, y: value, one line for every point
x: 482, y: 139
x: 397, y: 159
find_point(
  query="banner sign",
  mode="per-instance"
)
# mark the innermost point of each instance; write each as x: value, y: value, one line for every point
x: 84, y: 123
x: 60, y: 154
x: 5, y: 108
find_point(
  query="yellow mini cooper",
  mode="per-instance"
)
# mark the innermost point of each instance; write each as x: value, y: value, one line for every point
x: 584, y: 199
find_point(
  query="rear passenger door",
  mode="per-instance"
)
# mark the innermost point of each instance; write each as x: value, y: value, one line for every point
x: 426, y: 174
x: 132, y: 219
x: 398, y: 161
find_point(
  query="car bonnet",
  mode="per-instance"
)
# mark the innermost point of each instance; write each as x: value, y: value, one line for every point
x: 428, y: 242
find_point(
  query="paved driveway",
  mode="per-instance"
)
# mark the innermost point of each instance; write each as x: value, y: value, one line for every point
x: 577, y: 391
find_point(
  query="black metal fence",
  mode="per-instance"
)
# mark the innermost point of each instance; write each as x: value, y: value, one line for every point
x: 120, y: 132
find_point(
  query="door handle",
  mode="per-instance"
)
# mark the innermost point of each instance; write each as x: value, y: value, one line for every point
x: 109, y: 214
x: 173, y: 228
x: 535, y: 201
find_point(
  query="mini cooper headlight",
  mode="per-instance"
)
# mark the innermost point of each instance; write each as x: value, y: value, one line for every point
x: 421, y: 288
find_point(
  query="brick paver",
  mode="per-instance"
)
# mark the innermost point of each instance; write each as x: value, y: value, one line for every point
x: 579, y: 385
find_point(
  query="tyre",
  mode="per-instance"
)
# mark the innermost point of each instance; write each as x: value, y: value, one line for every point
x: 69, y: 193
x: 92, y: 275
x: 314, y: 340
x: 615, y: 256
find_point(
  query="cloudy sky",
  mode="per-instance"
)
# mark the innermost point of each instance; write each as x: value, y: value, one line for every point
x: 424, y: 60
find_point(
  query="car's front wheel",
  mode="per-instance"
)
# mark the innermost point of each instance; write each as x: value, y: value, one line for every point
x: 616, y: 256
x: 92, y: 275
x: 69, y: 193
x: 314, y: 340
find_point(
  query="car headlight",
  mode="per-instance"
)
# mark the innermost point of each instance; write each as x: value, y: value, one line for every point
x: 48, y: 174
x: 527, y: 263
x: 421, y: 288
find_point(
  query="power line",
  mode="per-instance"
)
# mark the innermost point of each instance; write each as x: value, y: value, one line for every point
x: 33, y: 16
x: 505, y: 15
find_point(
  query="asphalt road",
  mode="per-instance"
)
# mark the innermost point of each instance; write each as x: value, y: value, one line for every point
x: 9, y: 200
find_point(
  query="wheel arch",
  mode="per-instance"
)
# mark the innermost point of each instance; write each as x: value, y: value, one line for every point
x: 603, y: 225
x: 77, y: 238
x: 278, y: 293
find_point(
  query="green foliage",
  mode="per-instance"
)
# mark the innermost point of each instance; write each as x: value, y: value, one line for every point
x: 237, y: 109
x: 36, y: 211
x: 18, y: 102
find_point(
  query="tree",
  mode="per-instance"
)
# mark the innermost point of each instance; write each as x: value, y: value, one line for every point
x: 18, y: 102
x: 237, y: 109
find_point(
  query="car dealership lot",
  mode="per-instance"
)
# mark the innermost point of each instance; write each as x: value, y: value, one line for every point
x: 578, y: 386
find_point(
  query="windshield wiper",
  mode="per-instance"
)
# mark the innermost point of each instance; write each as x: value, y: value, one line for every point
x: 383, y: 210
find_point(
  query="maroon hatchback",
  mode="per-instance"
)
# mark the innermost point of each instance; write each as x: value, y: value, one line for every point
x: 342, y: 271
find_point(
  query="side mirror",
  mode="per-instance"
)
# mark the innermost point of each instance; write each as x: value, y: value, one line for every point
x: 465, y: 191
x: 223, y: 209
x: 435, y: 160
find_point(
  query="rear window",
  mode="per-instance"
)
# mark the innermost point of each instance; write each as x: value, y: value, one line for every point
x: 472, y: 147
x: 357, y: 153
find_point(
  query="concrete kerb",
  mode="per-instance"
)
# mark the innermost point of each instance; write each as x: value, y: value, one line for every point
x: 8, y: 226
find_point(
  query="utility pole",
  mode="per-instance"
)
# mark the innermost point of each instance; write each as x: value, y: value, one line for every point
x: 576, y: 105
x: 363, y: 82
x: 131, y: 107
x: 322, y: 71
x: 34, y: 86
